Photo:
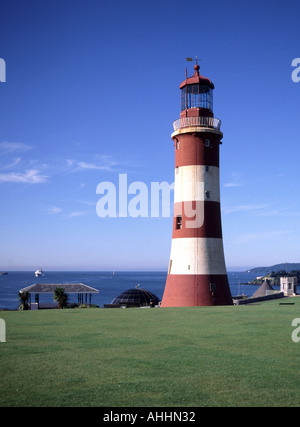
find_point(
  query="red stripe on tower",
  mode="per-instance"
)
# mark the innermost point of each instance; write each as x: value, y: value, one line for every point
x: 197, y: 273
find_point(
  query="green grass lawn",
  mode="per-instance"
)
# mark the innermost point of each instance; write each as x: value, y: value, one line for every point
x: 200, y: 356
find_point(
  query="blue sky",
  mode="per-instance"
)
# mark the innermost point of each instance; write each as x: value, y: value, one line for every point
x: 91, y: 91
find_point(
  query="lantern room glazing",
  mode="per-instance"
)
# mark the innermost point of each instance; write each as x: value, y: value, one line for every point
x: 196, y: 96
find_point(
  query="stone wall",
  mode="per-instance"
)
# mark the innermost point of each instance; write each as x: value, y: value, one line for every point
x: 258, y: 299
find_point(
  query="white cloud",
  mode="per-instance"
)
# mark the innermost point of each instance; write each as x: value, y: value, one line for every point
x: 85, y: 165
x: 54, y: 210
x: 12, y: 164
x: 244, y: 208
x: 235, y: 182
x: 101, y: 164
x: 262, y: 210
x: 98, y: 163
x: 285, y: 212
x: 31, y: 176
x: 77, y: 213
x: 264, y: 236
x: 10, y: 147
x: 70, y: 162
x: 87, y: 203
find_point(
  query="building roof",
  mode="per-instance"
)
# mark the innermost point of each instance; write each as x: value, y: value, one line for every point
x: 262, y: 290
x: 69, y: 288
x: 197, y: 79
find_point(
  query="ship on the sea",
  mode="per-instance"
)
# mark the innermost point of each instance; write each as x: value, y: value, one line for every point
x: 38, y: 272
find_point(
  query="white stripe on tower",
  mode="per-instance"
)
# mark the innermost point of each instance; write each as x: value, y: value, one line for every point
x: 192, y: 182
x: 197, y: 256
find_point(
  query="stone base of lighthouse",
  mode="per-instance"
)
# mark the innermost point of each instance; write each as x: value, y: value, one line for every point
x: 188, y: 290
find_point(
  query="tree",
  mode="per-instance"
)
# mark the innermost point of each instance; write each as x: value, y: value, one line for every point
x: 23, y: 296
x: 61, y: 297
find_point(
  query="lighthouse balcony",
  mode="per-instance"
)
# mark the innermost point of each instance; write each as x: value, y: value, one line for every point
x: 201, y: 121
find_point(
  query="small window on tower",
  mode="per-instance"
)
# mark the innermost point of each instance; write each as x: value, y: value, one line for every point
x: 179, y: 222
x: 207, y: 194
x: 207, y: 143
x: 207, y: 168
x: 177, y: 145
x: 213, y: 287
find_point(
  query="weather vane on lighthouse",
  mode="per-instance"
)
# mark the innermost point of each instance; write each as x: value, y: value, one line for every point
x: 193, y: 59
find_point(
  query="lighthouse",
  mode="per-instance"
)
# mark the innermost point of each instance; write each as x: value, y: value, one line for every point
x: 197, y: 273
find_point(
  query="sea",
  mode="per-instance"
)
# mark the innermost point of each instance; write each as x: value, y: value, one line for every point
x: 109, y: 284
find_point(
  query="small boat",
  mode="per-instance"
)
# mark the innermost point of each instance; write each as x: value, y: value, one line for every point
x: 39, y: 272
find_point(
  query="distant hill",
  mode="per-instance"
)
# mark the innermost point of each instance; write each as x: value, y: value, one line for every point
x: 287, y: 266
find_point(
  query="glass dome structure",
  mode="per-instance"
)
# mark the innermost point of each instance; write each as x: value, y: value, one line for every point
x: 197, y: 92
x: 136, y: 298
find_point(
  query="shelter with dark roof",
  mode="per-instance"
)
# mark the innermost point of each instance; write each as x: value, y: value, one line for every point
x: 262, y: 291
x: 48, y: 288
x: 135, y: 298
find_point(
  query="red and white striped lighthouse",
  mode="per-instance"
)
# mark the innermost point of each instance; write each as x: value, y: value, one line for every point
x: 197, y: 273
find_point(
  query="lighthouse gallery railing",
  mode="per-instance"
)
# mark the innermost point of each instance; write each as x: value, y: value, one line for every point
x: 210, y: 122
